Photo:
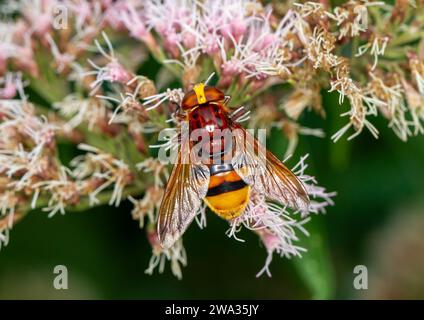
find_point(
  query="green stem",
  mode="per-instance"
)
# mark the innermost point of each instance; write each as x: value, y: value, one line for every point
x: 406, y: 38
x: 49, y: 85
x: 160, y: 57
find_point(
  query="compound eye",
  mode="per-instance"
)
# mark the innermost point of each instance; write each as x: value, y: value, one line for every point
x: 189, y: 101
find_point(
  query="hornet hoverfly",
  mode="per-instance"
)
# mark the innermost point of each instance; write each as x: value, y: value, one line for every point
x: 225, y: 185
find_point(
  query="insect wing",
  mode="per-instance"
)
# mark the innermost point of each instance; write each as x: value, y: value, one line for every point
x: 265, y: 173
x: 187, y: 186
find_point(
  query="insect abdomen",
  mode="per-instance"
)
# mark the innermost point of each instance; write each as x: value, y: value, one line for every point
x: 228, y: 194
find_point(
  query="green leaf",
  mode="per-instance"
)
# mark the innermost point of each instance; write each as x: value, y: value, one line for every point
x: 315, y: 267
x: 121, y: 146
x: 49, y: 85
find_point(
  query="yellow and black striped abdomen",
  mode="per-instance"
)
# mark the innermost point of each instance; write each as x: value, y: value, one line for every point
x: 227, y: 195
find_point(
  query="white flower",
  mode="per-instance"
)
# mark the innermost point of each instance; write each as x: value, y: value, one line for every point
x: 63, y: 191
x: 377, y: 46
x: 79, y: 110
x: 172, y: 95
x: 8, y: 203
x: 158, y: 169
x: 105, y: 167
x: 276, y: 224
x: 176, y: 255
x: 361, y: 106
x: 4, y: 238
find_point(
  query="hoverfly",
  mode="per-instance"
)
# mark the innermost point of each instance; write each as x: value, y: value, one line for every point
x: 225, y: 187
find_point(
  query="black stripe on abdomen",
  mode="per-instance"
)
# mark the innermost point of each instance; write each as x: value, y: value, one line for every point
x: 226, y: 187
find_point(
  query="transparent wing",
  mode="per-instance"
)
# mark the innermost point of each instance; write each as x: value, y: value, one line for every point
x: 265, y: 173
x: 187, y: 186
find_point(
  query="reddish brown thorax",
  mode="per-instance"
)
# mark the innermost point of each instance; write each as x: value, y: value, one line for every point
x: 210, y: 116
x: 206, y: 111
x: 205, y: 108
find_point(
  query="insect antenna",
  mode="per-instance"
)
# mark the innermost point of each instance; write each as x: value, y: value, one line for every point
x: 209, y: 78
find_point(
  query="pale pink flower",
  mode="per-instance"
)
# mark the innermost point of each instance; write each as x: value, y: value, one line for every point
x: 276, y: 224
x: 39, y: 14
x: 63, y: 60
x: 20, y: 52
x: 113, y: 71
x: 83, y: 11
x: 10, y: 85
x: 134, y: 22
x: 19, y: 123
x: 113, y: 13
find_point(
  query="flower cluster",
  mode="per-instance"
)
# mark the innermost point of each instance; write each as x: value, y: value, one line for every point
x: 32, y: 176
x: 252, y: 50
